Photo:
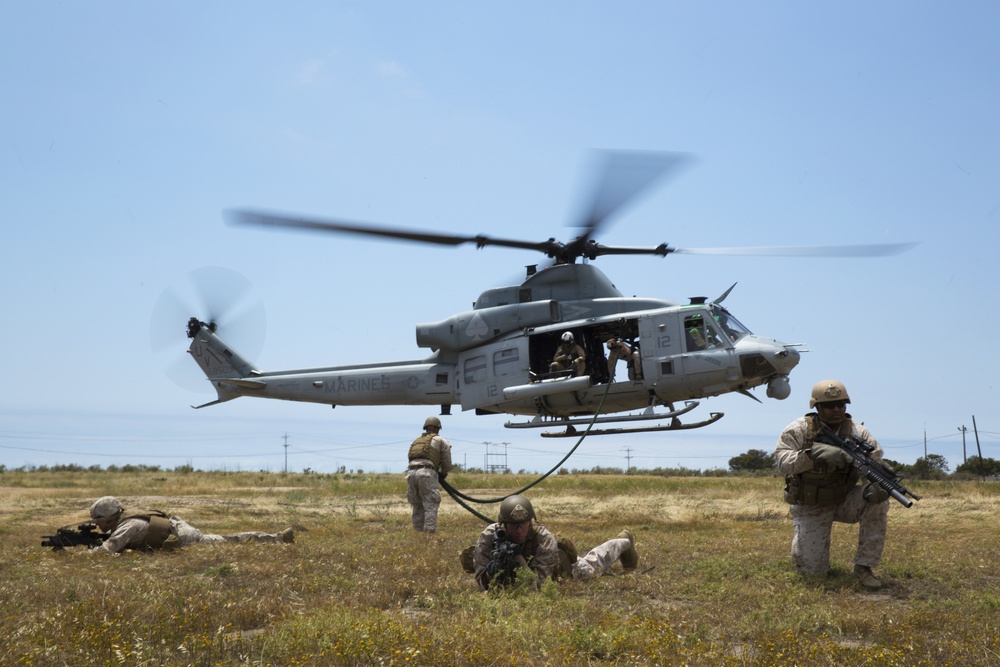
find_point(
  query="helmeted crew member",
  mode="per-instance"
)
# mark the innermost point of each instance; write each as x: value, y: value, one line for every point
x: 152, y: 529
x: 821, y: 485
x: 429, y: 456
x: 569, y: 355
x: 619, y: 350
x: 538, y: 550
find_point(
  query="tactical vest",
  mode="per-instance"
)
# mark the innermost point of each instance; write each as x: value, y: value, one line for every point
x: 820, y: 487
x: 567, y: 556
x: 567, y: 553
x: 159, y: 535
x: 422, y: 448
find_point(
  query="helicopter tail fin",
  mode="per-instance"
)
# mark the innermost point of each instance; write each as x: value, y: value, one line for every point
x: 228, y: 370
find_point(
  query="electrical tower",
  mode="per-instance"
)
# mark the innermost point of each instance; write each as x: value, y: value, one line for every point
x: 496, y: 457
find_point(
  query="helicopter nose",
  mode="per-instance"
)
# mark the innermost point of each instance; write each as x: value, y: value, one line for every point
x: 786, y: 358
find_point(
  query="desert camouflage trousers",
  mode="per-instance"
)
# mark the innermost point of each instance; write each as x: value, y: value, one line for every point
x: 600, y: 559
x: 424, y: 496
x: 188, y: 534
x: 813, y: 525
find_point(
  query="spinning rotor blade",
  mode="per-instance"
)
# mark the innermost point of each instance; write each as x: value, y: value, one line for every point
x: 272, y: 219
x: 212, y: 294
x: 871, y: 250
x: 620, y: 177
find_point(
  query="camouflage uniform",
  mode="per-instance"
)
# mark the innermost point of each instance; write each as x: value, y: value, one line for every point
x: 541, y: 550
x: 820, y: 497
x: 620, y: 351
x: 429, y: 454
x: 133, y: 532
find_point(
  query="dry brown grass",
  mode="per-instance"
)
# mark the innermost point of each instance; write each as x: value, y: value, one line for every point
x: 360, y: 588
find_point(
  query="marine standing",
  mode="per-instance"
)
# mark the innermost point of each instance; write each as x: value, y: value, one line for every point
x: 429, y: 459
x: 821, y: 486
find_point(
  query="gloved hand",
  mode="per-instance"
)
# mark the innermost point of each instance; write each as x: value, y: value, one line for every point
x: 833, y: 457
x: 874, y: 494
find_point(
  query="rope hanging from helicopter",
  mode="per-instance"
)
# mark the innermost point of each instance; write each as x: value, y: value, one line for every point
x: 458, y: 496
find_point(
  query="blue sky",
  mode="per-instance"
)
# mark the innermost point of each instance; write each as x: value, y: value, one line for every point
x: 129, y: 127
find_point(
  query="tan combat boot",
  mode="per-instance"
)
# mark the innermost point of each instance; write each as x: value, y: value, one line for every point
x: 867, y: 578
x: 629, y: 557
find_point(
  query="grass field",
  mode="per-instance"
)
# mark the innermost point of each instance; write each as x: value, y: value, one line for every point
x: 358, y: 587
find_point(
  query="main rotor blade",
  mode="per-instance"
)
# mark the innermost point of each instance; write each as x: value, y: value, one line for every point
x: 620, y: 177
x: 272, y: 219
x: 870, y: 250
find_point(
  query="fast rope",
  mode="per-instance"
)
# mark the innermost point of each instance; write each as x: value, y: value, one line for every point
x: 458, y: 496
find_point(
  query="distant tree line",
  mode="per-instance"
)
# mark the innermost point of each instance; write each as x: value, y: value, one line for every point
x: 753, y: 462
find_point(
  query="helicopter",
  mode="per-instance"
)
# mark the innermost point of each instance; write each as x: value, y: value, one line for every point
x: 499, y: 357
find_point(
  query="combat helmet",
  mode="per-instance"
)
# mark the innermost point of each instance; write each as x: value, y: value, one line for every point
x: 432, y: 421
x: 515, y: 509
x: 105, y: 508
x: 828, y: 390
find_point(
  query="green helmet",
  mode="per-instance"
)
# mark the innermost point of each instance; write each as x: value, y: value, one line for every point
x: 432, y: 421
x: 515, y: 509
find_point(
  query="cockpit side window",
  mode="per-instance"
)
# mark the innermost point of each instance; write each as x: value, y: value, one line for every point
x: 702, y: 334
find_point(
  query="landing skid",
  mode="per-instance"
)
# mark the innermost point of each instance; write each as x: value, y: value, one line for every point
x: 648, y: 415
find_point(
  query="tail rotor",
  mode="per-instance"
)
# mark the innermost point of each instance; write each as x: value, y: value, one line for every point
x: 216, y: 295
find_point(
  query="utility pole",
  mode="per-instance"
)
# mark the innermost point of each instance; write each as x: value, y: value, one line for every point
x: 286, y: 453
x: 628, y: 458
x: 979, y: 449
x: 963, y: 430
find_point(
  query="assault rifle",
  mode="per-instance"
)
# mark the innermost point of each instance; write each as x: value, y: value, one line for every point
x: 504, y: 558
x: 83, y: 535
x: 875, y: 472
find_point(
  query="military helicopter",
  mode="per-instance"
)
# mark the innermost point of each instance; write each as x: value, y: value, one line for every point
x: 498, y: 358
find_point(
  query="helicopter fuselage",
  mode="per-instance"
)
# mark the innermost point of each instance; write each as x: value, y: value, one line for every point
x: 495, y: 358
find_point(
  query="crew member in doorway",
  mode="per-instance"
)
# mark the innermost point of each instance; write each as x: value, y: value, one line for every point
x: 619, y: 350
x: 569, y: 355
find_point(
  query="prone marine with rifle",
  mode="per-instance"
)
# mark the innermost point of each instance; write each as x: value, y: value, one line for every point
x: 517, y: 544
x: 823, y: 456
x: 124, y: 528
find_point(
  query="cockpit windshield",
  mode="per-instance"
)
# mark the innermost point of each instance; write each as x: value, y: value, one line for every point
x: 729, y: 324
